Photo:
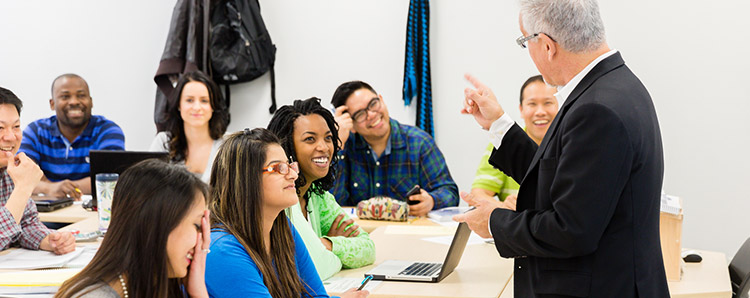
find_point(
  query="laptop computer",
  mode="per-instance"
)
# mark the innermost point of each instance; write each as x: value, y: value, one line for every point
x: 49, y: 204
x: 110, y: 161
x: 425, y: 272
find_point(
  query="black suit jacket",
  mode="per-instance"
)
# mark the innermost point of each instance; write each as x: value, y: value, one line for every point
x: 587, y: 220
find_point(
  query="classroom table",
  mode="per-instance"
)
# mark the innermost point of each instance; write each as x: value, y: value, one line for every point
x: 707, y: 279
x: 480, y: 273
x: 370, y: 225
x: 71, y: 214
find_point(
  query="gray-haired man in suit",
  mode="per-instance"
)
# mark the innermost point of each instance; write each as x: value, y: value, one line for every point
x: 587, y: 219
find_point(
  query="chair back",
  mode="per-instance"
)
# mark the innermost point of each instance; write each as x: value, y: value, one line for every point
x: 739, y: 271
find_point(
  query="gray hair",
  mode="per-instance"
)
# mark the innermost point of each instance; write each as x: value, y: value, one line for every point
x: 575, y: 24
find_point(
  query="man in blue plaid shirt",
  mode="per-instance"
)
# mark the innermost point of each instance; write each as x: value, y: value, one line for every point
x: 382, y: 157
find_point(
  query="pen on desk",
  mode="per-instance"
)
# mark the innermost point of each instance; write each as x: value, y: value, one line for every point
x: 364, y: 282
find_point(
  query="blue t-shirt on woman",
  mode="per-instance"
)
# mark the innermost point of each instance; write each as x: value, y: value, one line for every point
x: 230, y: 272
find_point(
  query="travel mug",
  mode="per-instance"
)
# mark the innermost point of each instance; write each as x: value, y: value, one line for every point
x: 105, y: 188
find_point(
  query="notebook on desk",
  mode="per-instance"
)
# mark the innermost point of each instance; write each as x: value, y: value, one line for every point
x: 110, y: 161
x: 425, y: 272
x: 49, y: 204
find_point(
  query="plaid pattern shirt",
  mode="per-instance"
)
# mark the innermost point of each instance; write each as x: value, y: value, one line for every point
x: 30, y: 231
x: 414, y: 159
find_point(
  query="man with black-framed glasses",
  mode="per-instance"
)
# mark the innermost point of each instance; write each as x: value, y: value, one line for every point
x: 382, y: 157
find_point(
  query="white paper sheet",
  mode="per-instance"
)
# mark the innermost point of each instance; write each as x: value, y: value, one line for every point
x: 447, y: 240
x: 341, y: 284
x: 87, y: 253
x: 419, y: 230
x: 35, y: 259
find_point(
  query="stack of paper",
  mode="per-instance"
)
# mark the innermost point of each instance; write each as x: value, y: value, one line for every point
x: 36, y: 259
x: 670, y: 204
x: 31, y: 282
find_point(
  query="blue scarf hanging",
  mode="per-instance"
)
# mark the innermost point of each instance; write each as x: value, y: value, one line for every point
x: 417, y: 82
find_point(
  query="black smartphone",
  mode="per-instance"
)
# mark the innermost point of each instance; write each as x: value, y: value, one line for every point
x: 413, y: 191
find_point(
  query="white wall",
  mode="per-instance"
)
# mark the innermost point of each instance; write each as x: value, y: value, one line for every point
x: 691, y: 55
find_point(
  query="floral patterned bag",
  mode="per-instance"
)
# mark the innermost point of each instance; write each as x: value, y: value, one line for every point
x: 383, y: 208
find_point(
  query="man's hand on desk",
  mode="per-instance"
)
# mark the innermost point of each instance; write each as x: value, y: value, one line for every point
x: 59, y: 243
x: 60, y: 189
x: 478, y: 218
x: 426, y: 203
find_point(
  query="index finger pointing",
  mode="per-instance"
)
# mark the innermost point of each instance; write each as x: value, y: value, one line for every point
x: 474, y: 81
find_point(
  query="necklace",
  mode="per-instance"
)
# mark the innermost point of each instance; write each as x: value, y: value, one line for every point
x: 124, y: 288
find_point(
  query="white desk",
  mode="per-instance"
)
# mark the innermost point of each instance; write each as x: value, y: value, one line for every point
x: 707, y: 279
x: 480, y: 273
x: 71, y: 214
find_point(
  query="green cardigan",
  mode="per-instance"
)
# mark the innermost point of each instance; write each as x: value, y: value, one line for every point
x: 349, y: 252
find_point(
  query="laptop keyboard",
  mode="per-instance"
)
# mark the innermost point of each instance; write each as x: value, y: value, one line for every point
x: 421, y: 269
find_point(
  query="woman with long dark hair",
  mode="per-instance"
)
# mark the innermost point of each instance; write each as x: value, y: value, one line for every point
x: 157, y: 242
x: 196, y: 121
x: 255, y: 251
x: 309, y: 135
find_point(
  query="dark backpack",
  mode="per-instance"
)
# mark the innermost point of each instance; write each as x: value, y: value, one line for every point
x: 240, y: 48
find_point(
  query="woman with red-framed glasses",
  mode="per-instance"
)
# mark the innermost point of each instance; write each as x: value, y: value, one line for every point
x: 255, y: 252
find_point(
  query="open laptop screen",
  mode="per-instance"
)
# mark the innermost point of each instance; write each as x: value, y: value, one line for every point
x: 110, y: 161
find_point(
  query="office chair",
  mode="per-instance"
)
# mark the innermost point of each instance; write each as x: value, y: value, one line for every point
x: 739, y: 271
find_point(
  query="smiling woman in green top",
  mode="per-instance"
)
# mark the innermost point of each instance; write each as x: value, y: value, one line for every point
x: 309, y: 134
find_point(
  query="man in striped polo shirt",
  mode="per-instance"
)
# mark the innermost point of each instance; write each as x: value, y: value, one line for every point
x: 60, y: 144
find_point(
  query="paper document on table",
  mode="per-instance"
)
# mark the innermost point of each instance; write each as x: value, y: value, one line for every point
x: 670, y: 204
x: 36, y: 278
x: 87, y: 253
x: 35, y: 259
x: 419, y: 230
x: 28, y: 292
x: 446, y: 214
x: 341, y: 284
x: 447, y: 240
x: 451, y: 223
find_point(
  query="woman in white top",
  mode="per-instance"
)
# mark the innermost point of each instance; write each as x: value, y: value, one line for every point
x: 196, y: 121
